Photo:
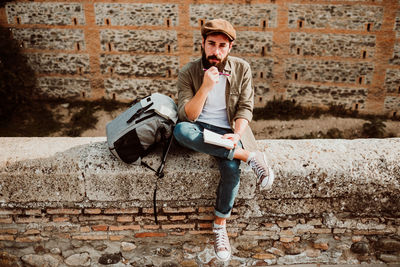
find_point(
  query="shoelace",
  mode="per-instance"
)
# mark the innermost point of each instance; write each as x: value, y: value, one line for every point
x: 221, y: 239
x: 260, y: 171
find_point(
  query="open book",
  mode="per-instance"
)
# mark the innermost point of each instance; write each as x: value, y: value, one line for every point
x: 216, y: 139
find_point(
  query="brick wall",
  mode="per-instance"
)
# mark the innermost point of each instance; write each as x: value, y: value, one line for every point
x: 129, y: 236
x: 69, y: 202
x: 124, y: 50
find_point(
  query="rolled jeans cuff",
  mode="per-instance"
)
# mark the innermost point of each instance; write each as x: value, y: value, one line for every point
x: 221, y: 215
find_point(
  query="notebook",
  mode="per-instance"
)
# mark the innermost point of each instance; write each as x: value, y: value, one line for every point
x: 216, y: 139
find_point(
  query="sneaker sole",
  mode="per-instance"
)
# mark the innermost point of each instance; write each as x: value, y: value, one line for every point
x: 267, y: 182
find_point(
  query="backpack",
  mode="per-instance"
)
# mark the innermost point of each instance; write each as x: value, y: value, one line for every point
x: 145, y: 125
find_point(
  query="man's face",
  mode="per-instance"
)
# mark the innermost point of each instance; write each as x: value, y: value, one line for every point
x: 216, y: 48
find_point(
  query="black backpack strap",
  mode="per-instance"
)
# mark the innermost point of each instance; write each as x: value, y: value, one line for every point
x: 160, y: 173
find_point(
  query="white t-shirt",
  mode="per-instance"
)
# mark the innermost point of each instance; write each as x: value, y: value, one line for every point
x: 214, y: 111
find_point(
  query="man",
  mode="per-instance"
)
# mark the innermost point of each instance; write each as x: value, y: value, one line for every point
x: 215, y: 93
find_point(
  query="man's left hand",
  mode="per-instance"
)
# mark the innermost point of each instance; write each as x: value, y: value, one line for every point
x: 232, y: 136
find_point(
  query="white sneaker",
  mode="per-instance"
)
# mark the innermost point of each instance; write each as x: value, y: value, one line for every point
x: 222, y: 247
x: 265, y: 175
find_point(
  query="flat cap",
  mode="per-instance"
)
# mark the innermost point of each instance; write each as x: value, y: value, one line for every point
x: 218, y: 25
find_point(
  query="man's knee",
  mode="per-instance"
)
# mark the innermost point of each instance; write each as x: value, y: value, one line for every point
x: 183, y: 131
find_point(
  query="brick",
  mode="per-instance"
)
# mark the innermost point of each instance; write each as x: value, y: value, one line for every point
x: 206, y: 209
x: 205, y: 225
x: 30, y: 239
x: 339, y: 231
x: 259, y: 233
x: 151, y: 227
x: 85, y: 229
x: 6, y: 237
x: 179, y: 210
x: 90, y: 237
x: 287, y: 223
x: 6, y: 220
x: 116, y: 237
x: 64, y: 211
x: 122, y: 211
x: 177, y: 218
x: 63, y: 236
x: 101, y: 227
x: 31, y: 220
x: 96, y: 218
x: 322, y: 245
x: 202, y: 217
x: 33, y: 212
x: 321, y: 231
x: 264, y: 256
x: 356, y: 238
x: 32, y: 232
x: 92, y: 211
x: 61, y: 219
x: 150, y: 234
x: 202, y: 232
x: 124, y: 219
x: 315, y: 222
x: 149, y: 210
x: 286, y: 233
x: 10, y: 212
x: 9, y: 231
x: 178, y: 233
x: 150, y: 218
x: 177, y: 226
x: 133, y: 227
x: 289, y: 239
x: 369, y: 232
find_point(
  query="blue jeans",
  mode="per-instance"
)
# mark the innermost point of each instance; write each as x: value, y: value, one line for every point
x: 190, y: 135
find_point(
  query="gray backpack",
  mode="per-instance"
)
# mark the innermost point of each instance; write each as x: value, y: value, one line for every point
x: 145, y: 124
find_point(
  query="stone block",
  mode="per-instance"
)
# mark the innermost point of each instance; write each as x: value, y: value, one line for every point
x: 45, y: 13
x: 329, y: 71
x: 62, y: 87
x: 350, y: 17
x: 249, y: 15
x: 138, y: 88
x: 392, y: 80
x: 159, y: 41
x: 140, y: 65
x: 128, y: 14
x: 50, y: 39
x: 334, y: 45
x: 59, y: 63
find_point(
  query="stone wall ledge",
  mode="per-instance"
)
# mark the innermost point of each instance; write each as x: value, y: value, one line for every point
x: 312, y: 176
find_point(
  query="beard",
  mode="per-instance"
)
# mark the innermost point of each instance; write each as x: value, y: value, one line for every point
x: 207, y: 64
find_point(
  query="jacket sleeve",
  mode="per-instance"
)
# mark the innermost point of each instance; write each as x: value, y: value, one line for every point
x: 185, y: 93
x: 245, y: 104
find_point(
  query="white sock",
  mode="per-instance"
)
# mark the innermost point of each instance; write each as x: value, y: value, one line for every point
x: 251, y: 155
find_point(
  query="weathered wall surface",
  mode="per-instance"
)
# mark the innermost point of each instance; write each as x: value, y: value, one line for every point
x: 68, y: 202
x: 109, y: 49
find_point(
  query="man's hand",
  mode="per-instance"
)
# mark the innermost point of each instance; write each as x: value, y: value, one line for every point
x: 234, y: 137
x: 211, y: 78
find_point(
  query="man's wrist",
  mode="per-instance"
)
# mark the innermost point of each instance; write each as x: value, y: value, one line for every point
x: 240, y: 136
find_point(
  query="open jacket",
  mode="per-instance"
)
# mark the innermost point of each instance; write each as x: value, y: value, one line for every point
x: 239, y: 93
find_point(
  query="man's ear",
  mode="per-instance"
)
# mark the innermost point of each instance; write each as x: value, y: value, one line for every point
x: 230, y: 45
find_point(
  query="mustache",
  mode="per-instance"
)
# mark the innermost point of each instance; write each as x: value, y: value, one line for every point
x: 214, y: 57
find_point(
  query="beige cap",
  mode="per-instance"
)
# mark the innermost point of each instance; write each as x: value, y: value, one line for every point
x: 218, y: 25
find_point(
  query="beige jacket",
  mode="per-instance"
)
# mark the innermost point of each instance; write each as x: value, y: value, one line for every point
x: 239, y: 93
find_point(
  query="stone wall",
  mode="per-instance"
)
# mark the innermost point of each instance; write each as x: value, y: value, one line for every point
x: 115, y: 46
x: 69, y: 202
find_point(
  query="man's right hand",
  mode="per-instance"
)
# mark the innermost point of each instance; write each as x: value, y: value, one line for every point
x: 211, y: 78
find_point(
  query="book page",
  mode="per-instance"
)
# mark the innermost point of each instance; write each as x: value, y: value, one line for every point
x: 216, y: 139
